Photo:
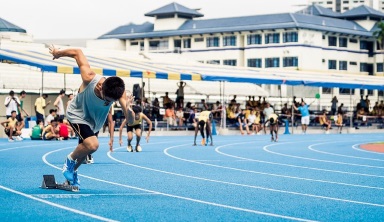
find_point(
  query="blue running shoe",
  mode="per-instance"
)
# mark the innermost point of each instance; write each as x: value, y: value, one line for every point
x: 76, y: 180
x: 68, y: 169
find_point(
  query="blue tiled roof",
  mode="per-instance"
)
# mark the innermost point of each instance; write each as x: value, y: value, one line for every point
x: 363, y: 11
x: 174, y: 8
x: 131, y: 29
x: 6, y: 26
x: 246, y: 23
x: 319, y: 10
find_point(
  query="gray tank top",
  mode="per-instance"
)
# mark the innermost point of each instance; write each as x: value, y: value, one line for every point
x: 86, y: 108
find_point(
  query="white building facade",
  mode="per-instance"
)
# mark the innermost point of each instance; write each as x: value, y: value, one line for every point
x: 318, y: 42
x: 345, y: 5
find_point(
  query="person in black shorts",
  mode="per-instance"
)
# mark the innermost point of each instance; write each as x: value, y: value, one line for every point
x: 135, y: 127
x: 273, y: 126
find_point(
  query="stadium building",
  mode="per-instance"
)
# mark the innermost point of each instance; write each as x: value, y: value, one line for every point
x: 315, y: 39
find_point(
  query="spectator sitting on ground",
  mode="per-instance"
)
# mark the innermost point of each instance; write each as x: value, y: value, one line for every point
x: 362, y: 115
x: 37, y: 130
x: 64, y: 130
x: 50, y: 132
x: 52, y: 115
x: 257, y: 123
x: 242, y: 122
x: 12, y: 127
x: 231, y: 114
x: 339, y: 122
x: 325, y: 122
x: 251, y: 121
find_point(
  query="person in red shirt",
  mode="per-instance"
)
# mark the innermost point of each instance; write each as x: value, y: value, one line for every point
x: 64, y: 130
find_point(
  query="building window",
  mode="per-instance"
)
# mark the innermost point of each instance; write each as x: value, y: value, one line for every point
x: 254, y: 39
x: 158, y: 45
x: 329, y: 3
x: 134, y: 43
x: 380, y: 93
x: 214, y: 62
x: 272, y: 62
x: 370, y: 92
x: 353, y: 63
x: 187, y: 43
x: 255, y: 63
x: 272, y: 38
x: 379, y: 67
x: 343, y: 42
x: 199, y: 39
x: 343, y: 91
x: 363, y: 45
x: 332, y: 41
x: 343, y: 65
x: 213, y: 42
x: 230, y: 62
x: 332, y: 64
x: 363, y: 67
x: 326, y: 90
x: 290, y: 62
x: 353, y: 40
x: 290, y: 37
x: 229, y: 41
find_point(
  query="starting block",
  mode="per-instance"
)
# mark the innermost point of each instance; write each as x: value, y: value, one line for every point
x: 49, y: 182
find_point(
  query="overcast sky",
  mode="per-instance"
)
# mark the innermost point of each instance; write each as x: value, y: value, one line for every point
x: 69, y: 19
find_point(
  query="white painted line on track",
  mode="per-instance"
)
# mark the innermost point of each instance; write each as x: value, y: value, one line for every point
x: 217, y: 149
x: 336, y: 154
x: 249, y: 186
x: 56, y: 205
x: 318, y: 160
x: 175, y: 196
x: 27, y: 146
x: 362, y: 150
x: 79, y: 195
x: 295, y: 166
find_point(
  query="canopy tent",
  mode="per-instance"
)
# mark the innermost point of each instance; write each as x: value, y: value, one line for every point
x: 104, y: 66
x: 158, y: 79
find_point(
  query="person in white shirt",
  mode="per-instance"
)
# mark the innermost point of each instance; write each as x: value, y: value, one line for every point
x: 60, y: 105
x: 11, y: 103
x: 268, y: 110
x: 50, y: 117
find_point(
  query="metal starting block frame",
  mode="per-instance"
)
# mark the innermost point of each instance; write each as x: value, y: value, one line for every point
x: 49, y: 182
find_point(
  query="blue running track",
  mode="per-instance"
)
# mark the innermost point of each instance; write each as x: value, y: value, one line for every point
x: 241, y: 178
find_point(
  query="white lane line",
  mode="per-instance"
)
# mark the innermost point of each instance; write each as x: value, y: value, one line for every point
x: 295, y: 166
x: 285, y: 176
x: 27, y: 146
x: 363, y: 150
x: 255, y: 187
x: 318, y: 160
x: 174, y: 196
x: 336, y: 154
x: 56, y: 205
x: 79, y: 195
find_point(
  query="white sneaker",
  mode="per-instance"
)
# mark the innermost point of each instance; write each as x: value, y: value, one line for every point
x: 11, y: 140
x: 327, y: 132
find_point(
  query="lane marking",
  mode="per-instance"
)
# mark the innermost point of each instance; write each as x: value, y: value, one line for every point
x: 336, y: 154
x: 318, y: 160
x: 76, y: 196
x: 295, y: 166
x: 56, y: 205
x: 363, y: 150
x: 175, y: 196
